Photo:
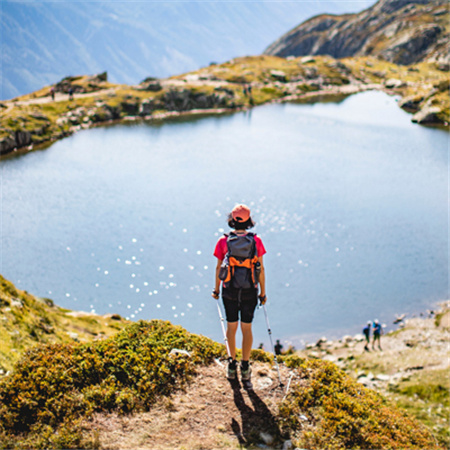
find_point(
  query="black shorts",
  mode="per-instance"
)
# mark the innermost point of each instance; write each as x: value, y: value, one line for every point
x: 243, y: 303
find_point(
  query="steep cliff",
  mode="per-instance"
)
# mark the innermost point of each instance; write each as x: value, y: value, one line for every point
x: 400, y: 31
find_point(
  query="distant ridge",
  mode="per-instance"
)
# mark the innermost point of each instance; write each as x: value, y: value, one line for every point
x: 400, y: 31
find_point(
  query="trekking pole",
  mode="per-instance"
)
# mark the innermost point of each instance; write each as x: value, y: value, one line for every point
x: 271, y: 343
x: 222, y: 320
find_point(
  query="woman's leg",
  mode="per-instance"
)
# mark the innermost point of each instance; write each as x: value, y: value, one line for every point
x: 231, y: 337
x: 247, y: 340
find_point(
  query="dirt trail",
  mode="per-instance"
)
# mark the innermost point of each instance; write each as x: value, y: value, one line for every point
x: 212, y: 413
x: 59, y: 97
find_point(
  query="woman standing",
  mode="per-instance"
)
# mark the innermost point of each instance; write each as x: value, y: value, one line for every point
x: 240, y: 268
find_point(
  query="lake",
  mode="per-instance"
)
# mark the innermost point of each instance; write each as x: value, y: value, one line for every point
x: 350, y: 199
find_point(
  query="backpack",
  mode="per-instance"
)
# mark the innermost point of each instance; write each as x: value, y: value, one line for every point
x: 240, y: 267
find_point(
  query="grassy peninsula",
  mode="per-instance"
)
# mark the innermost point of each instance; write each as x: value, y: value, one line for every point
x: 150, y: 384
x: 35, y: 120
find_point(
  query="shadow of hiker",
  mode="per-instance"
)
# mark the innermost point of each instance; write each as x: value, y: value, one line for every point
x: 256, y: 419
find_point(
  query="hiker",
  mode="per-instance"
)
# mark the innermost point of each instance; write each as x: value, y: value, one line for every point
x: 278, y: 347
x: 52, y: 93
x: 240, y: 269
x: 71, y: 93
x: 377, y: 332
x: 366, y: 332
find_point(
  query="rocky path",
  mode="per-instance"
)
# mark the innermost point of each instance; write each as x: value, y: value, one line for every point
x: 212, y: 413
x: 418, y: 343
x: 59, y: 97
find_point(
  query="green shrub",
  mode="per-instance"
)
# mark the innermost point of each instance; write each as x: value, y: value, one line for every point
x: 345, y: 414
x: 54, y: 385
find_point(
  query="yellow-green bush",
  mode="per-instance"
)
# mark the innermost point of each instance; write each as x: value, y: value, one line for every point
x: 54, y: 385
x: 328, y: 409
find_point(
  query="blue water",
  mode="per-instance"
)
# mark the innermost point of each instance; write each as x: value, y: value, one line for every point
x: 350, y: 199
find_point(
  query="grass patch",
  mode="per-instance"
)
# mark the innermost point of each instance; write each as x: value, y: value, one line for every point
x: 426, y: 396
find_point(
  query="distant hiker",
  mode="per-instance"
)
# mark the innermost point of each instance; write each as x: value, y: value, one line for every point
x: 249, y: 89
x: 244, y: 90
x: 240, y: 268
x: 52, y: 93
x: 377, y: 332
x: 366, y: 332
x: 71, y: 93
x: 278, y: 347
x: 261, y: 346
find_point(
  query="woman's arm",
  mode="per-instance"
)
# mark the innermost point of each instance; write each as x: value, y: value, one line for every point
x: 262, y: 278
x: 217, y: 280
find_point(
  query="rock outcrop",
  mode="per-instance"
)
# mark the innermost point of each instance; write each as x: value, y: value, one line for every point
x: 400, y: 31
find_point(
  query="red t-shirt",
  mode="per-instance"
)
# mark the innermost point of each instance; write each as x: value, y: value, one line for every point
x: 221, y: 247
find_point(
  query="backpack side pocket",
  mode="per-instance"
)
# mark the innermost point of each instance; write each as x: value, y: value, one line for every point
x: 224, y: 269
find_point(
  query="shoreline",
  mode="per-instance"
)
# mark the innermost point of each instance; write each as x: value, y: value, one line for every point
x: 34, y: 121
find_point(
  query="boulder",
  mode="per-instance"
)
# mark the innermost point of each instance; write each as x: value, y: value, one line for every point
x: 278, y: 75
x: 102, y: 76
x: 105, y: 113
x: 146, y: 107
x: 394, y: 83
x: 152, y: 86
x: 23, y: 138
x: 427, y: 115
x: 307, y: 59
x: 130, y: 107
x: 7, y: 145
x: 410, y: 103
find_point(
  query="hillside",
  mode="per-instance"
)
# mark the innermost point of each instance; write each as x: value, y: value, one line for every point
x: 399, y: 31
x: 30, y: 121
x: 154, y: 385
x: 27, y: 320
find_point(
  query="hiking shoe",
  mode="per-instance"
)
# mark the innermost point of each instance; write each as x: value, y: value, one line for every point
x: 246, y: 373
x: 231, y: 371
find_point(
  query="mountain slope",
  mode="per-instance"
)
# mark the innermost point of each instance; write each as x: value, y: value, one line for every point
x: 44, y: 41
x: 400, y: 31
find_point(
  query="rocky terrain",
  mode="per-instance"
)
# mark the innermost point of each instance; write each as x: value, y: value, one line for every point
x: 36, y: 120
x: 412, y: 369
x: 404, y: 32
